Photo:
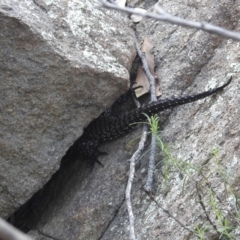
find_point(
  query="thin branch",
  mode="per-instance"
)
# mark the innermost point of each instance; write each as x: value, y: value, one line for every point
x: 8, y: 232
x: 204, y: 208
x: 151, y: 79
x: 169, y: 214
x: 151, y: 166
x: 133, y: 159
x: 146, y: 70
x: 165, y: 17
x: 135, y: 156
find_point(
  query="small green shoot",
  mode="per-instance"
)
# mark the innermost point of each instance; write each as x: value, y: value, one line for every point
x: 200, y: 232
x: 224, y: 225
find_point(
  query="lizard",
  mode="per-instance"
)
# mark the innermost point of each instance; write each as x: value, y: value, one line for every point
x: 108, y: 127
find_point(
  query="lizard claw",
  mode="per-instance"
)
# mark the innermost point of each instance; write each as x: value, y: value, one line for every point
x: 97, y: 161
x: 91, y: 164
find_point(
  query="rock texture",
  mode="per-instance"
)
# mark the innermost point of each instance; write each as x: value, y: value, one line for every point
x: 62, y: 63
x: 202, y: 137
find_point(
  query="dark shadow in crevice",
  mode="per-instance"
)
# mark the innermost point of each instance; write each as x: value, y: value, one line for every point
x: 30, y: 214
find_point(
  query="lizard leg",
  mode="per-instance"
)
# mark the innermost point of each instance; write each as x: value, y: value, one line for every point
x: 93, y: 158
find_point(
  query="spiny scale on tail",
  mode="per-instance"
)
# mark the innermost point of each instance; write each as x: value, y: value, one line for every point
x: 108, y: 127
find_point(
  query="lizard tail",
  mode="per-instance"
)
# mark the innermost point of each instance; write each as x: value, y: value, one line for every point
x: 161, y: 105
x: 128, y: 121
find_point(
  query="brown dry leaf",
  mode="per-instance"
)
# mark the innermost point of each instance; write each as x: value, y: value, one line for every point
x: 141, y: 79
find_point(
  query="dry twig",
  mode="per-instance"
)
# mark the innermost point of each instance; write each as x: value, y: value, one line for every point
x: 149, y: 182
x: 204, y: 208
x: 145, y: 67
x: 151, y: 166
x: 165, y: 17
x: 8, y: 232
x: 169, y: 214
x: 133, y: 160
x: 130, y: 181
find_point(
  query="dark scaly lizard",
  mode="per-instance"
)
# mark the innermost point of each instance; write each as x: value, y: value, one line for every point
x: 109, y: 127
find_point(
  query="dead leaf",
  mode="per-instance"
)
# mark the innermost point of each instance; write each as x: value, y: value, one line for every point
x: 141, y: 79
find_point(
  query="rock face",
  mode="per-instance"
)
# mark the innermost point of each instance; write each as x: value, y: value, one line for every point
x: 62, y: 63
x: 202, y: 137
